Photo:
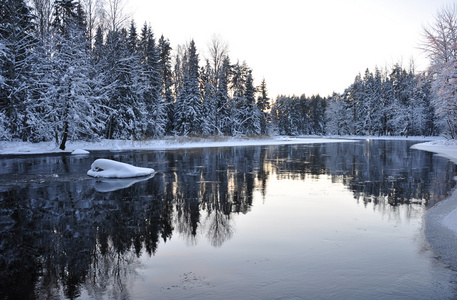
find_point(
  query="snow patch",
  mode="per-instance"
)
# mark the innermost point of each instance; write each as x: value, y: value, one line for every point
x: 165, y: 143
x: 80, y: 152
x: 107, y: 168
x: 445, y: 148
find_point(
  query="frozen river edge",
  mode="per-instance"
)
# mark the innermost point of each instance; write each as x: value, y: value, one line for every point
x: 440, y: 221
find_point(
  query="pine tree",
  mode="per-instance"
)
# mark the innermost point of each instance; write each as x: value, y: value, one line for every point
x: 65, y: 16
x: 188, y: 112
x: 263, y: 103
x: 334, y: 116
x: 155, y: 106
x: 62, y: 101
x: 209, y: 100
x: 166, y: 82
x: 252, y: 124
x: 222, y: 120
x: 124, y: 75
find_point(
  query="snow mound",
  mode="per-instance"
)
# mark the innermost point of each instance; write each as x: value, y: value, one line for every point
x: 80, y: 152
x: 113, y: 169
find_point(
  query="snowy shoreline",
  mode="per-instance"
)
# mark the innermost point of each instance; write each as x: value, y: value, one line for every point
x: 20, y: 148
x: 23, y: 148
x: 440, y: 221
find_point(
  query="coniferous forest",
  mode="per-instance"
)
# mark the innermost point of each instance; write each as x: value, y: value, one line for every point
x: 73, y: 70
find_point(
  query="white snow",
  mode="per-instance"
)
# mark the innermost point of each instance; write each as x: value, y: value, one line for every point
x: 107, y: 168
x: 17, y: 147
x: 80, y: 152
x: 442, y: 147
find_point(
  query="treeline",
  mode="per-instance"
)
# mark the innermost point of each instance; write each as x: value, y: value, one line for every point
x: 57, y: 82
x: 390, y: 103
x: 395, y: 102
x: 62, y: 77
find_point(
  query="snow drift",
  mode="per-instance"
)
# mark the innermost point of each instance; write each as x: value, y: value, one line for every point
x: 113, y: 169
x: 80, y: 152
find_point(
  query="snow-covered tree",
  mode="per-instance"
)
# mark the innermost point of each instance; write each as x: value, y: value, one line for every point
x: 440, y: 43
x: 16, y: 44
x: 63, y: 103
x: 263, y: 103
x: 188, y: 111
x: 245, y: 115
x: 334, y: 116
x: 209, y: 100
x: 123, y: 75
x: 156, y: 118
x: 223, y: 103
x: 166, y: 82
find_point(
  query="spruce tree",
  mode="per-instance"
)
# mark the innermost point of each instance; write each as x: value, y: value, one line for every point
x: 263, y: 103
x: 188, y: 112
x: 166, y: 82
x: 155, y: 106
x: 222, y: 118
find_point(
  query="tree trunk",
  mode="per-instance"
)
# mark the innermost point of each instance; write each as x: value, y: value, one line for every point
x: 64, y: 137
x: 451, y: 129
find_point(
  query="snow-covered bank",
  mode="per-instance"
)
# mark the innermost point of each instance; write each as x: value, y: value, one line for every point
x: 442, y: 147
x: 162, y: 144
x: 440, y: 222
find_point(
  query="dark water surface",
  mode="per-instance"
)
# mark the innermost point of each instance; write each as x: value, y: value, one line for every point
x: 320, y: 221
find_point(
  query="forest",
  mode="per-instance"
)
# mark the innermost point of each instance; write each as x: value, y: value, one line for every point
x: 75, y: 70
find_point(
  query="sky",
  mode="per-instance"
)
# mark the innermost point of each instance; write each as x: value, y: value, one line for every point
x: 298, y: 46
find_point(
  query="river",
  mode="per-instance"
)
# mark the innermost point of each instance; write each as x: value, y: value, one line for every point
x: 339, y: 220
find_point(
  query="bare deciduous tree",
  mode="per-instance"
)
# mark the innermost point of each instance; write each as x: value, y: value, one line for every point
x: 116, y: 14
x: 218, y: 49
x: 440, y: 38
x: 440, y: 44
x: 43, y: 10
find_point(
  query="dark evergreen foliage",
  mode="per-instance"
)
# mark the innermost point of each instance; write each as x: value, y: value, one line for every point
x: 52, y: 76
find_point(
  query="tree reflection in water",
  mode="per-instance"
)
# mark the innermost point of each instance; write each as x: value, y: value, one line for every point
x: 61, y: 235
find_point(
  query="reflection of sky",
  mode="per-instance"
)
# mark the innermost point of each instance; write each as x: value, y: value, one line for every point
x: 304, y: 238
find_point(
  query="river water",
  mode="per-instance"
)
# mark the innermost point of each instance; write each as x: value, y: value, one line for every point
x: 318, y: 221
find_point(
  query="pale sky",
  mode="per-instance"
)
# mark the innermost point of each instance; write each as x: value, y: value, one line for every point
x: 298, y: 46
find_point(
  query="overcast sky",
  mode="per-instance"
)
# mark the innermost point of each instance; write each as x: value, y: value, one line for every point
x: 298, y: 46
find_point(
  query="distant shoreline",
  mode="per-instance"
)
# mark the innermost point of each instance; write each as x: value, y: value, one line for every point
x: 169, y: 143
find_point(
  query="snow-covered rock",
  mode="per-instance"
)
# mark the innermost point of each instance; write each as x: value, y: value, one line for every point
x: 113, y: 169
x: 80, y: 152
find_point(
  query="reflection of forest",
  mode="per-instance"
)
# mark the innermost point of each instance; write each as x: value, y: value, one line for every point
x: 382, y: 172
x: 58, y: 236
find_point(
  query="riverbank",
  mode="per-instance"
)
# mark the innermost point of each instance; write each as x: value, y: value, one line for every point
x: 440, y: 222
x: 22, y: 148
